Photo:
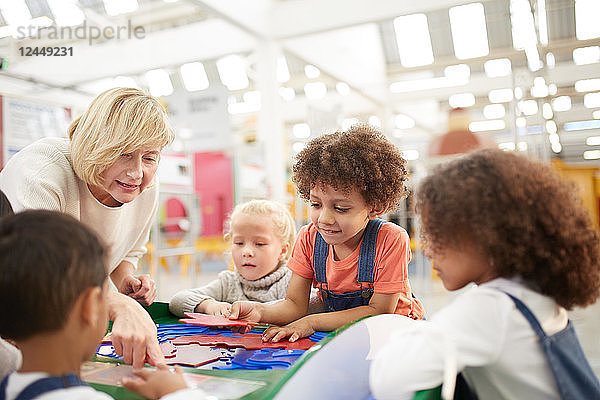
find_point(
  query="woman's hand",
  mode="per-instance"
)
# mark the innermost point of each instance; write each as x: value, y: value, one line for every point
x: 133, y: 332
x: 296, y: 330
x: 155, y: 384
x: 141, y: 288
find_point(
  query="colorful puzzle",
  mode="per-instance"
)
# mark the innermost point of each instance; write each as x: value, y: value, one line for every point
x: 248, y: 341
x: 213, y: 320
x: 218, y: 348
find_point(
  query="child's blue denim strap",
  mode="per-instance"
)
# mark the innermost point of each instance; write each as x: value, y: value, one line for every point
x: 368, y: 247
x: 43, y: 385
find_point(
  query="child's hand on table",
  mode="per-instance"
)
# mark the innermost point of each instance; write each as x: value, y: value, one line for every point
x: 156, y: 384
x: 213, y: 307
x: 217, y: 308
x: 296, y: 330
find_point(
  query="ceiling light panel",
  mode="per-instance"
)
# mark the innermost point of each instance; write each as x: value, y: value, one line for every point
x: 414, y: 42
x: 159, y: 82
x: 232, y: 71
x: 194, y: 76
x: 15, y: 12
x: 500, y: 95
x: 561, y: 103
x: 116, y: 7
x: 586, y: 19
x: 66, y: 12
x: 469, y: 31
x: 461, y: 100
x: 497, y: 68
x: 587, y: 85
x: 586, y: 55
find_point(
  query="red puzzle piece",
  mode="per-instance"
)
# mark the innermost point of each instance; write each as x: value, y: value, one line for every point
x: 193, y: 355
x: 249, y: 341
x: 214, y: 320
x: 168, y: 349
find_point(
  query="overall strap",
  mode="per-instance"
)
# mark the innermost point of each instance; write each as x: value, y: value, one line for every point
x: 320, y: 258
x: 366, y: 255
x: 3, y: 385
x: 48, y: 384
x: 537, y: 328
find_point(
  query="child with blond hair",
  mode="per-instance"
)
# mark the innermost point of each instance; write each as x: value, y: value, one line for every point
x: 262, y: 233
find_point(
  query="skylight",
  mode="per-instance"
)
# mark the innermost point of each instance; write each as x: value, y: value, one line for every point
x: 592, y: 100
x: 491, y: 125
x: 498, y: 67
x: 500, y: 95
x: 301, y: 131
x: 15, y: 12
x: 311, y: 71
x: 461, y: 100
x: 66, y: 12
x: 414, y: 42
x: 159, y: 82
x: 561, y: 103
x: 586, y: 55
x: 232, y: 71
x: 194, y: 76
x: 116, y: 7
x: 469, y: 32
x: 587, y: 85
x: 586, y: 19
x: 494, y: 111
x: 523, y: 32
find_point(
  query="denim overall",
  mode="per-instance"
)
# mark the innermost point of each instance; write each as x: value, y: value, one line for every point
x: 572, y: 372
x: 41, y: 386
x: 366, y: 267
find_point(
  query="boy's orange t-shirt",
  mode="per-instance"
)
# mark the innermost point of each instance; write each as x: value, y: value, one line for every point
x: 392, y: 255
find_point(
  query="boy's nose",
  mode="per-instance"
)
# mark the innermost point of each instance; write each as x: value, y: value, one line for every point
x: 326, y: 217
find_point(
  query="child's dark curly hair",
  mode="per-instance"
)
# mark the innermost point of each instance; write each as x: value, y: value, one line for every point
x: 360, y: 158
x: 522, y: 215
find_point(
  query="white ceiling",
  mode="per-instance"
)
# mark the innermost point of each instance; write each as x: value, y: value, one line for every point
x: 348, y: 40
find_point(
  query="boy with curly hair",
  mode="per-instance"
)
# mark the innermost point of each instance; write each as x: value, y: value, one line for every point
x: 520, y: 232
x: 358, y: 263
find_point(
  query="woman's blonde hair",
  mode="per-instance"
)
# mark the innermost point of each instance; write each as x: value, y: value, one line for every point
x: 285, y: 227
x: 118, y: 121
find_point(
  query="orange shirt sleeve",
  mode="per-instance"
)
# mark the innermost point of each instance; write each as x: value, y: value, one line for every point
x: 300, y: 261
x: 391, y: 274
x: 392, y: 258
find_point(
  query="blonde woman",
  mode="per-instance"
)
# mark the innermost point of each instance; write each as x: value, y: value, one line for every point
x: 103, y: 175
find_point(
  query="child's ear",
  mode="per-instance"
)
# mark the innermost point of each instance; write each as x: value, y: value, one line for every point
x: 375, y: 211
x: 284, y: 250
x: 90, y: 304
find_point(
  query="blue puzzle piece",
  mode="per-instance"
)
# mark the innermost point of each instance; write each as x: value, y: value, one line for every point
x: 318, y: 336
x: 267, y: 357
x: 288, y: 353
x: 107, y: 350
